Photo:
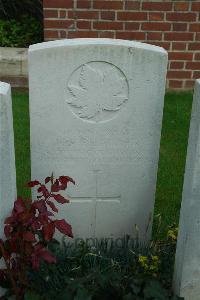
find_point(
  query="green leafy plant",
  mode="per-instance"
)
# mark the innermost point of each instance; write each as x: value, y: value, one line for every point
x: 28, y: 229
x: 16, y: 8
x: 20, y: 33
x: 38, y: 267
x: 105, y: 271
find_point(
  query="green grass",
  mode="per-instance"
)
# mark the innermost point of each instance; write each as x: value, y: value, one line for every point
x: 173, y: 147
x: 172, y: 151
x: 22, y: 141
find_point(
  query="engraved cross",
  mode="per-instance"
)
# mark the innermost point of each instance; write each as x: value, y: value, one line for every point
x: 95, y: 199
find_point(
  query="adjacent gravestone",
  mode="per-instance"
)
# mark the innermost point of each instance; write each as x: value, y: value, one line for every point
x: 187, y: 266
x: 7, y: 155
x: 7, y: 159
x: 95, y: 114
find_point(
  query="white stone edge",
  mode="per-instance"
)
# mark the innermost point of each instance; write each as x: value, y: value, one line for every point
x: 197, y: 81
x: 4, y: 88
x: 96, y: 42
x: 179, y: 256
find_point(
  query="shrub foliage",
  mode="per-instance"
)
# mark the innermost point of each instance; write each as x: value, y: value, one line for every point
x: 104, y: 271
x: 21, y: 23
x: 20, y: 33
x: 28, y: 229
x: 38, y: 267
x: 16, y: 8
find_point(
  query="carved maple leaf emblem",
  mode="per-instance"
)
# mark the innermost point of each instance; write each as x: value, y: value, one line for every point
x: 97, y: 90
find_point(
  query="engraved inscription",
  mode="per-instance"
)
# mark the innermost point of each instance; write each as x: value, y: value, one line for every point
x: 96, y: 91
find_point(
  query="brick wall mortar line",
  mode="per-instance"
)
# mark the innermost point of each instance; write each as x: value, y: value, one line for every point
x: 180, y: 41
x: 51, y: 19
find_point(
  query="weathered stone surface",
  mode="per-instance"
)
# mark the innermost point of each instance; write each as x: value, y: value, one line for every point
x: 13, y: 61
x: 187, y: 264
x: 95, y: 111
x: 7, y: 155
x: 7, y: 159
x: 14, y: 66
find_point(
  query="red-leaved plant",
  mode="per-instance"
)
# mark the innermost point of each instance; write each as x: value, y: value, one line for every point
x: 28, y: 230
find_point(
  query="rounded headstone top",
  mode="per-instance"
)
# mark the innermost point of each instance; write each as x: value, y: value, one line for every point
x: 4, y: 88
x: 97, y: 42
x: 198, y: 81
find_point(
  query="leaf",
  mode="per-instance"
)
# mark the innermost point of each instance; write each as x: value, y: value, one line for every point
x: 47, y: 256
x: 66, y: 294
x: 109, y: 82
x: 43, y: 218
x: 29, y: 236
x: 41, y: 206
x: 90, y: 78
x: 153, y: 289
x: 65, y: 179
x: 55, y: 187
x: 64, y: 227
x: 35, y: 262
x: 7, y: 230
x: 49, y: 214
x: 54, y: 245
x: 28, y: 248
x: 35, y: 225
x: 41, y: 252
x: 82, y: 294
x: 4, y: 282
x: 42, y: 189
x: 60, y: 199
x: 32, y: 183
x: 129, y: 296
x: 0, y: 258
x: 47, y: 179
x: 26, y: 217
x: 19, y: 206
x: 13, y: 245
x: 89, y: 111
x: 9, y: 220
x: 52, y: 205
x: 29, y: 295
x: 78, y: 94
x: 48, y: 231
x: 135, y: 288
x: 116, y: 93
x: 84, y: 90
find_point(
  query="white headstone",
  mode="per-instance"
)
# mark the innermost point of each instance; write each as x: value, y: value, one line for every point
x: 187, y: 263
x: 7, y: 160
x: 7, y: 155
x: 95, y: 111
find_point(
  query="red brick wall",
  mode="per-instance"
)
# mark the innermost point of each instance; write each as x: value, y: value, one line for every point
x: 174, y: 25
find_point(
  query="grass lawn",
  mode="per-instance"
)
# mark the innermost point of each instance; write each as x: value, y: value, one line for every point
x: 22, y: 141
x: 173, y: 148
x: 172, y: 151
